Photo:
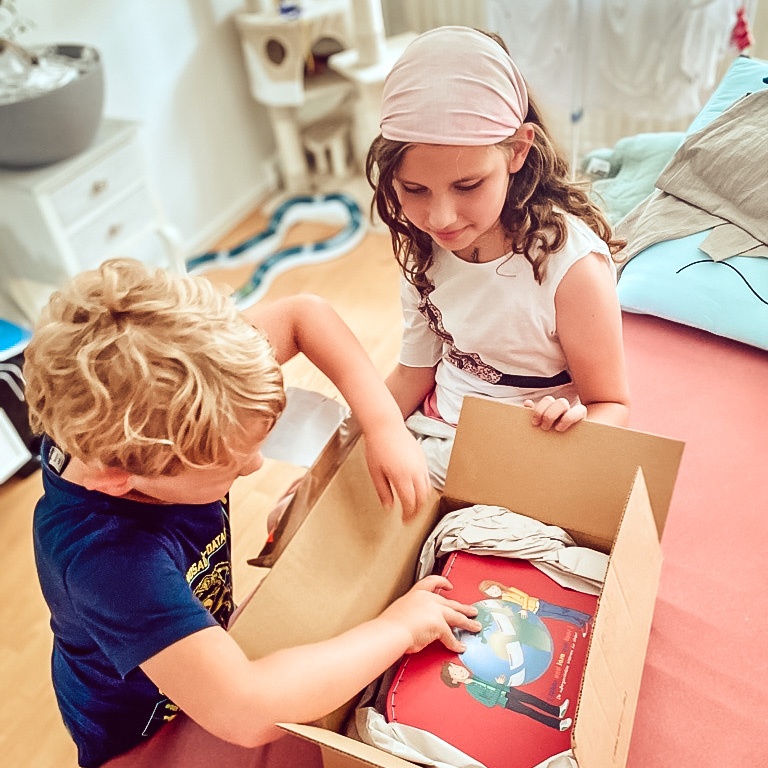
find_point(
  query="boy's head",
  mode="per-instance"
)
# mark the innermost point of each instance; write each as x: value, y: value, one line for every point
x: 150, y: 373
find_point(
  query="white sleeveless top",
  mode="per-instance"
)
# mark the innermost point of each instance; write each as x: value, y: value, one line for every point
x: 490, y: 327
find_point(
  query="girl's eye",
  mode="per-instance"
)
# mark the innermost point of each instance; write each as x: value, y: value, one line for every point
x: 468, y: 187
x: 412, y: 190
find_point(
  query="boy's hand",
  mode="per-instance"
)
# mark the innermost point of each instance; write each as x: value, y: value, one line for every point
x: 398, y: 468
x: 428, y: 616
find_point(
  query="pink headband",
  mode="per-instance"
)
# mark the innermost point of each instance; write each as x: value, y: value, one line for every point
x: 453, y: 85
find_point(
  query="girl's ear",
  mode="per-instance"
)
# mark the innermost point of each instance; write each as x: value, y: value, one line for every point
x: 524, y: 137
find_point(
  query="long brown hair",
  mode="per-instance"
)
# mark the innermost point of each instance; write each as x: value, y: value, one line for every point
x: 532, y: 215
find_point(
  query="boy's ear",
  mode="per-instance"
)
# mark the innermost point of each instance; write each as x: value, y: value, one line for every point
x: 109, y: 480
x: 524, y: 136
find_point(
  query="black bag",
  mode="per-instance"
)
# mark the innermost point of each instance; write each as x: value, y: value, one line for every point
x: 13, y: 403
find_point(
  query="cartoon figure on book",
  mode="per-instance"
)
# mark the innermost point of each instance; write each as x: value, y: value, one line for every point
x: 515, y: 646
x: 541, y: 608
x: 154, y: 394
x: 499, y: 692
x: 508, y: 283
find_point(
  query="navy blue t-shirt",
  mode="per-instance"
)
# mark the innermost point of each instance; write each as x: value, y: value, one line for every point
x: 123, y: 580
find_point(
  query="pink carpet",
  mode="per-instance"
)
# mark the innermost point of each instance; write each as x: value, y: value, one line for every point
x: 702, y: 701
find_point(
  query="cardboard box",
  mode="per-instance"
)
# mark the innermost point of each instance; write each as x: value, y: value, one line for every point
x: 609, y: 488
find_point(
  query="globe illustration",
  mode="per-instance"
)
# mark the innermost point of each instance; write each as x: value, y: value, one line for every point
x: 516, y: 646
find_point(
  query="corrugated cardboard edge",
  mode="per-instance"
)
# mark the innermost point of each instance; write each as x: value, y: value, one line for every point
x: 307, y: 492
x: 578, y: 472
x: 342, y: 752
x: 348, y: 545
x: 619, y: 641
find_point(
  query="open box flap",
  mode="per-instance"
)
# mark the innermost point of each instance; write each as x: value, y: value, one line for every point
x: 558, y: 478
x: 619, y: 640
x: 342, y: 752
x: 348, y: 560
x: 307, y: 491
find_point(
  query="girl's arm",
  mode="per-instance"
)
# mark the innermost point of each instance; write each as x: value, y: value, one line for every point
x: 589, y: 327
x: 409, y: 386
x: 308, y: 324
x: 209, y: 677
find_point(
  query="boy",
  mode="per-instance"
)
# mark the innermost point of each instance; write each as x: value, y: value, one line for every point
x: 154, y: 394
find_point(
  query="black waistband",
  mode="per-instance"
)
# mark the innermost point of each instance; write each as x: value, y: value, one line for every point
x: 534, y: 382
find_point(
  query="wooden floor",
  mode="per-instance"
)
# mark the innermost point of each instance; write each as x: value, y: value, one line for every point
x: 363, y: 287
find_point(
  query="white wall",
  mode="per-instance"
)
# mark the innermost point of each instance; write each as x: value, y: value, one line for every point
x: 176, y: 67
x: 760, y: 30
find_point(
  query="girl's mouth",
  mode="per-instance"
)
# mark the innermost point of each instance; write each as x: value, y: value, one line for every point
x: 449, y: 235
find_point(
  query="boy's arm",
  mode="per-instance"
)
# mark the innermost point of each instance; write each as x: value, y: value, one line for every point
x: 308, y: 324
x: 207, y: 675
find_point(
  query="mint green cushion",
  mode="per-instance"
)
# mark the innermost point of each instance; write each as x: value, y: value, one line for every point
x: 675, y: 280
x: 638, y: 161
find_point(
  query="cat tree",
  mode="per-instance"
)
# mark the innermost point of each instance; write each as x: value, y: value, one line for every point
x: 319, y: 68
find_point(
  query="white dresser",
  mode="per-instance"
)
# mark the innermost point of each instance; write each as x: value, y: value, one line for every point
x: 58, y: 220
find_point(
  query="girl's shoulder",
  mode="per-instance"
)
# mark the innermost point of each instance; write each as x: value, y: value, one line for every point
x: 581, y: 236
x: 580, y: 241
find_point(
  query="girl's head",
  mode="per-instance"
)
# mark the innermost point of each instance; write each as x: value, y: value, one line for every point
x: 492, y: 588
x: 456, y: 103
x: 453, y: 85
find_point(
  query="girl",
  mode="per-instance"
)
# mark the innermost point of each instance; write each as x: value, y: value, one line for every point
x: 509, y: 285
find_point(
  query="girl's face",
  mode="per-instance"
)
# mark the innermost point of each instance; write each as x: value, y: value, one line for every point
x: 454, y: 194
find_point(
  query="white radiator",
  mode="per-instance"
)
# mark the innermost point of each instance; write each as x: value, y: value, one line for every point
x: 599, y: 128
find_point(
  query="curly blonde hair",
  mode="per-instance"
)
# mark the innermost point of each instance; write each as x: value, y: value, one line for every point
x: 148, y: 371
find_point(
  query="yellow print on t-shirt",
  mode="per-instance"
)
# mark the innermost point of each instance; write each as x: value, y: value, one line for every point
x: 202, y: 564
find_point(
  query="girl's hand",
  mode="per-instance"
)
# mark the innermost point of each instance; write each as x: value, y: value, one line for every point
x: 558, y: 413
x: 398, y: 467
x: 428, y: 616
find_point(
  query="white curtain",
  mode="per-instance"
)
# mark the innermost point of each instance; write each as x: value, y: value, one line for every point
x: 651, y: 58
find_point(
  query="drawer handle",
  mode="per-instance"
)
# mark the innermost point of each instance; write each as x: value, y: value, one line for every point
x: 114, y: 230
x: 98, y: 187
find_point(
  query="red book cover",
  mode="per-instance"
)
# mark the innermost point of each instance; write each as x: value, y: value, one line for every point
x: 509, y: 699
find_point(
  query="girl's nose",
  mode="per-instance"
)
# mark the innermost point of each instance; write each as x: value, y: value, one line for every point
x: 442, y: 212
